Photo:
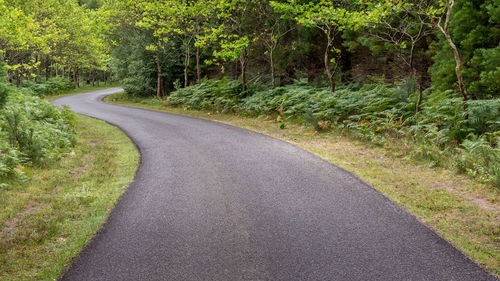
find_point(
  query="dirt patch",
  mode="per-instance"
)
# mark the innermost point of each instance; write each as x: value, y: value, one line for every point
x: 78, y: 170
x: 474, y: 198
x: 11, y: 225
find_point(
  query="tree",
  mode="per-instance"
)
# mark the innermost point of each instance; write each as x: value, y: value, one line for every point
x: 437, y: 14
x: 274, y: 29
x: 474, y: 28
x: 444, y: 12
x: 331, y: 17
x: 156, y: 17
x: 402, y: 28
x: 232, y: 33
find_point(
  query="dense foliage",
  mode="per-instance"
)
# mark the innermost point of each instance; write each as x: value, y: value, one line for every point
x: 372, y: 112
x: 40, y: 39
x: 33, y: 131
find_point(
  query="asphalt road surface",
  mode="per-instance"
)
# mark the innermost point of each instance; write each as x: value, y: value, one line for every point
x: 216, y: 202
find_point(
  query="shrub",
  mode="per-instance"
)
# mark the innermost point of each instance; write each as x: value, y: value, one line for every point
x: 222, y: 95
x: 9, y: 159
x: 479, y: 159
x: 33, y: 131
x: 53, y: 86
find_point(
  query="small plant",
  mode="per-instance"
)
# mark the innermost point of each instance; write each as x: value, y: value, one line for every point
x: 478, y: 159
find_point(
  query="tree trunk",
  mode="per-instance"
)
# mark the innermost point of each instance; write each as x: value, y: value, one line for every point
x: 411, y: 58
x: 419, y: 99
x: 458, y: 70
x: 186, y: 65
x: 158, y: 82
x: 47, y: 71
x: 74, y: 78
x: 243, y: 73
x: 92, y: 74
x: 328, y: 70
x: 271, y: 60
x: 18, y: 78
x: 456, y: 55
x: 420, y: 91
x: 198, y: 70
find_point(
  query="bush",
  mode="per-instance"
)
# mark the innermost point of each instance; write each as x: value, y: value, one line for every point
x: 221, y: 95
x: 479, y: 159
x: 53, y: 86
x: 33, y: 131
x: 9, y: 159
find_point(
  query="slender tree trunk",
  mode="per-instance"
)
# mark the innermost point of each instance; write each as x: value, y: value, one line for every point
x: 458, y: 67
x: 158, y: 82
x: 9, y: 76
x: 92, y: 74
x: 419, y: 99
x: 186, y: 66
x: 236, y: 63
x: 243, y: 73
x: 47, y: 71
x: 104, y: 74
x: 18, y: 78
x: 328, y: 70
x: 412, y: 49
x: 417, y: 79
x: 74, y: 78
x: 420, y: 90
x: 198, y: 70
x: 271, y: 60
x: 38, y: 70
x: 458, y: 71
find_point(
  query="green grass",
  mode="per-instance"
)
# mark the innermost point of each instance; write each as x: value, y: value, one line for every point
x: 47, y: 219
x: 463, y: 211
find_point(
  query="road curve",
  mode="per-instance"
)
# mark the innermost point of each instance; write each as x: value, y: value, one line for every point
x: 216, y: 202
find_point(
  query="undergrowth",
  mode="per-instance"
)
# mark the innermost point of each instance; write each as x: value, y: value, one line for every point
x: 32, y: 131
x: 441, y: 133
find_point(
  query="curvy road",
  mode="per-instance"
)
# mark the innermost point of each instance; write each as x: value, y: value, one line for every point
x: 216, y: 202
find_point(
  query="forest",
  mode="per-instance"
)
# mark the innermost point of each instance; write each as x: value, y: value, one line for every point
x: 402, y: 94
x: 426, y: 72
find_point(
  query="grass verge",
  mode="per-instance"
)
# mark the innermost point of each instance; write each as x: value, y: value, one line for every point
x: 463, y: 211
x: 47, y: 219
x: 84, y: 89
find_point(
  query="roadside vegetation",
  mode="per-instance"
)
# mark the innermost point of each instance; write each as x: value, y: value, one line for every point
x: 461, y: 209
x: 377, y: 113
x: 50, y: 214
x: 60, y: 175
